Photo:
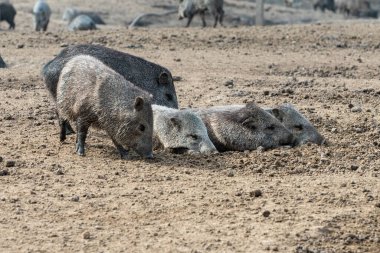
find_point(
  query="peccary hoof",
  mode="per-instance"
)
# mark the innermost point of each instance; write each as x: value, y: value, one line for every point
x: 80, y: 150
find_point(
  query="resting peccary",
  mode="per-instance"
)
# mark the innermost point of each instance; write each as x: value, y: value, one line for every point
x: 180, y: 131
x: 359, y: 8
x: 91, y: 93
x: 42, y: 14
x: 149, y: 76
x: 324, y: 5
x: 301, y: 128
x: 82, y: 23
x: 188, y: 8
x: 2, y: 63
x: 71, y: 13
x: 8, y: 13
x: 298, y: 125
x: 245, y: 128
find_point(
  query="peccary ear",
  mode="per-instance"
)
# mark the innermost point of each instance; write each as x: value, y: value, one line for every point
x: 139, y: 103
x: 176, y: 122
x: 279, y: 114
x: 249, y: 123
x: 163, y: 78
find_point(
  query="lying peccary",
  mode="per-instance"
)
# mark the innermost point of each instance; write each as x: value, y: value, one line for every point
x: 2, y: 63
x: 91, y: 93
x: 245, y: 128
x: 149, y: 76
x: 324, y: 5
x: 180, y: 131
x: 71, y: 13
x: 188, y: 8
x: 82, y: 23
x: 301, y: 128
x: 8, y: 13
x: 42, y: 14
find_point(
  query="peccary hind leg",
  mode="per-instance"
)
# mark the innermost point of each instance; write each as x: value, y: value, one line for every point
x: 82, y: 130
x: 123, y: 152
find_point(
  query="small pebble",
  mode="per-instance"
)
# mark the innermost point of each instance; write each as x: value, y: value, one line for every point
x: 266, y: 213
x: 231, y: 173
x: 4, y: 172
x: 86, y: 235
x: 20, y: 46
x: 10, y: 163
x: 354, y: 167
x: 256, y: 193
x: 75, y: 198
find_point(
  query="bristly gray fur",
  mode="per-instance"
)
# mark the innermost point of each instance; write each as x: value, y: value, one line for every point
x: 183, y: 130
x: 91, y: 93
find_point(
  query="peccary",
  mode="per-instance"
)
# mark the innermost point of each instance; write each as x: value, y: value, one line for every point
x: 42, y: 14
x: 8, y: 13
x: 301, y: 128
x: 151, y: 77
x: 82, y: 23
x: 180, y: 131
x: 245, y: 128
x: 298, y: 125
x: 91, y: 93
x: 71, y: 13
x: 2, y: 63
x: 359, y: 8
x: 324, y: 5
x: 189, y: 8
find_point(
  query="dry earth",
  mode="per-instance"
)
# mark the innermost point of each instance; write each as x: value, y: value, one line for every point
x: 316, y: 199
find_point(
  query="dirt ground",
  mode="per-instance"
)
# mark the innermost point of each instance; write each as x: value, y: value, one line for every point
x: 305, y: 199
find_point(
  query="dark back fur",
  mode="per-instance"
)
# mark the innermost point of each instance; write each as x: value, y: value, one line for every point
x: 140, y: 72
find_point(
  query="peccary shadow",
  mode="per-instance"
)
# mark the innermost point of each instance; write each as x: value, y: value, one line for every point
x: 100, y: 143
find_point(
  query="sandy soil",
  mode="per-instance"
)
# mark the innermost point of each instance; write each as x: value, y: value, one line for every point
x: 304, y: 199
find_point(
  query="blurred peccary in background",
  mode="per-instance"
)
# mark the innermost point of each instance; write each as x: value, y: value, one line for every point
x: 71, y: 13
x: 358, y: 8
x: 324, y: 5
x: 42, y: 14
x: 8, y: 13
x: 82, y: 23
x: 188, y: 8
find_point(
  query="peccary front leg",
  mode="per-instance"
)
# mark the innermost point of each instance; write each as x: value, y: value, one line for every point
x: 203, y: 19
x: 123, y: 152
x: 82, y: 130
x: 189, y: 19
x: 12, y: 25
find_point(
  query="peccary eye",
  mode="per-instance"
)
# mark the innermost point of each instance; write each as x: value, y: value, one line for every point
x: 271, y: 127
x: 169, y: 97
x: 298, y: 127
x: 142, y: 128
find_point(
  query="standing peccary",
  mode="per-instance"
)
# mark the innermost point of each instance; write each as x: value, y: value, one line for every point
x: 42, y: 14
x: 2, y: 63
x: 148, y: 76
x: 180, y: 131
x: 91, y: 93
x: 82, y: 23
x: 189, y: 8
x: 8, y: 13
x: 324, y: 5
x: 245, y: 128
x: 71, y: 13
